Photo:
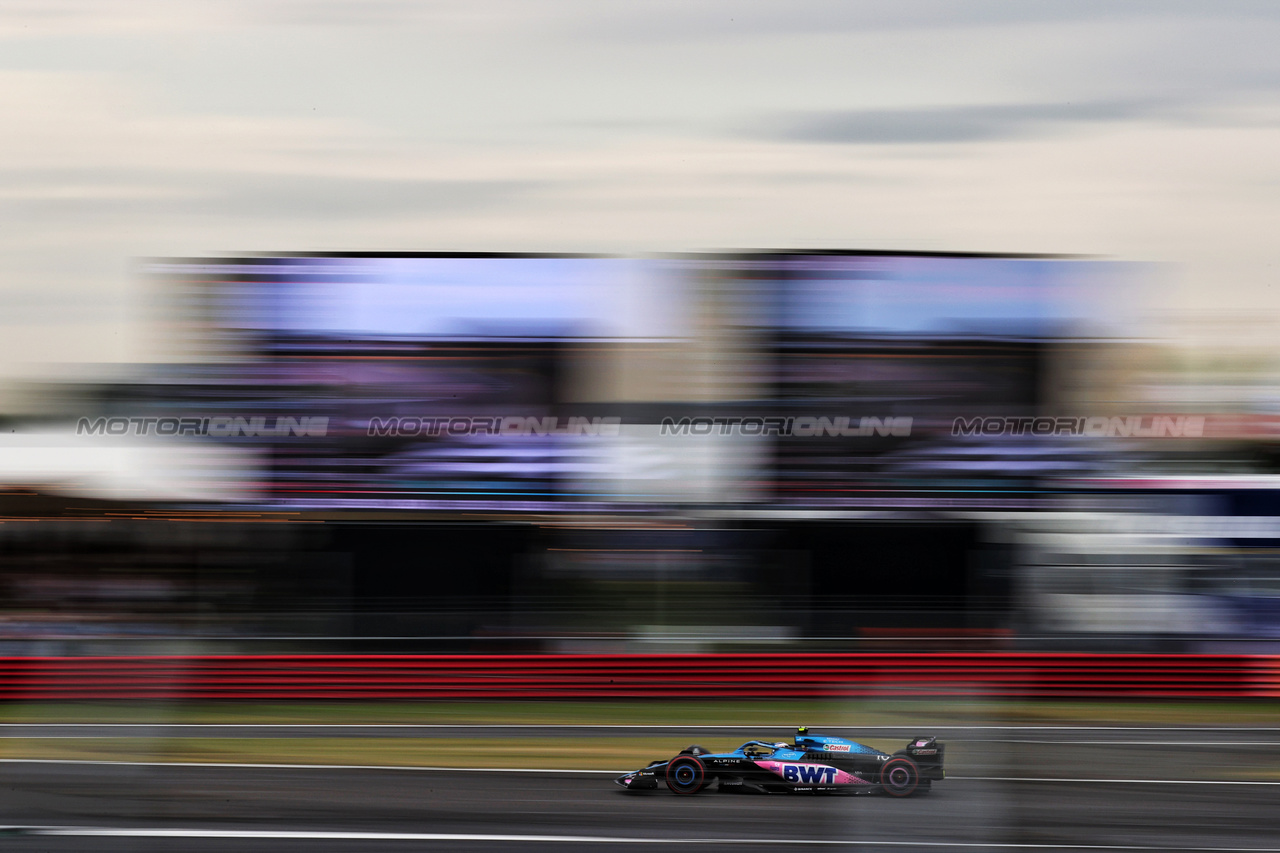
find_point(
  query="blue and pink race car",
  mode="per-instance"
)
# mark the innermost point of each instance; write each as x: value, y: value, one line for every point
x: 814, y: 763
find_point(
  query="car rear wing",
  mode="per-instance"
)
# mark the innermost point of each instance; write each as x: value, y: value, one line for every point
x: 927, y: 753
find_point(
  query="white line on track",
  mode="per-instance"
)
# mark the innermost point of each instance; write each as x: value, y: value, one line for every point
x: 1130, y: 743
x: 566, y: 770
x: 1111, y: 781
x: 609, y: 726
x: 348, y: 836
x: 1253, y: 744
x: 257, y: 766
x: 166, y: 729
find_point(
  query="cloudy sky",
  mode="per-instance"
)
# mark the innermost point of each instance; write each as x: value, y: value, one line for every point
x: 143, y: 128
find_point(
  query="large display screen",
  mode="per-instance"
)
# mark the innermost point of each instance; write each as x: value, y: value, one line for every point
x: 519, y: 382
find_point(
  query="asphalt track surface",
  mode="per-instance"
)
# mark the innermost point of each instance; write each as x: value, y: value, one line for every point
x: 1016, y: 789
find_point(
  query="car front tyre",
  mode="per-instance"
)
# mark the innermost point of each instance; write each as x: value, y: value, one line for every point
x: 686, y: 775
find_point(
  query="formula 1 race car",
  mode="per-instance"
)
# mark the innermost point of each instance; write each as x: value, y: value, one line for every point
x: 814, y: 763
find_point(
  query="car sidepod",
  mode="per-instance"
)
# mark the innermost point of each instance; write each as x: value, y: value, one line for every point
x: 808, y: 773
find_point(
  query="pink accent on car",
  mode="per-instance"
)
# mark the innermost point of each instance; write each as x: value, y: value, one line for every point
x: 811, y: 774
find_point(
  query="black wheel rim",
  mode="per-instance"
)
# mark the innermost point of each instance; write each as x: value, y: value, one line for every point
x: 899, y: 777
x: 685, y: 776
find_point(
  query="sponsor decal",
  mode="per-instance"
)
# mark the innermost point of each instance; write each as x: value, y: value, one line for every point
x: 924, y: 752
x: 837, y: 747
x: 811, y: 774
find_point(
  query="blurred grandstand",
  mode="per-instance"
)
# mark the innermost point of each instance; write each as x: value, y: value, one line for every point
x: 419, y: 453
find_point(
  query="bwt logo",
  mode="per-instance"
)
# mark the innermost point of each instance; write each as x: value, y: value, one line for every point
x: 812, y: 774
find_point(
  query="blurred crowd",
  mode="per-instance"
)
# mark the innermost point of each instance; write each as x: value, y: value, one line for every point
x: 485, y: 452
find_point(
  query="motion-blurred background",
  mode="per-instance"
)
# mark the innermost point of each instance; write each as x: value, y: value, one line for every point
x: 758, y: 451
x: 642, y: 352
x: 210, y: 212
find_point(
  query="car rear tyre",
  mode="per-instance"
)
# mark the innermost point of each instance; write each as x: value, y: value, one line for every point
x: 900, y: 777
x: 686, y: 775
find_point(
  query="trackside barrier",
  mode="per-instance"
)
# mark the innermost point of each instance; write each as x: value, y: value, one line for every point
x: 390, y: 677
